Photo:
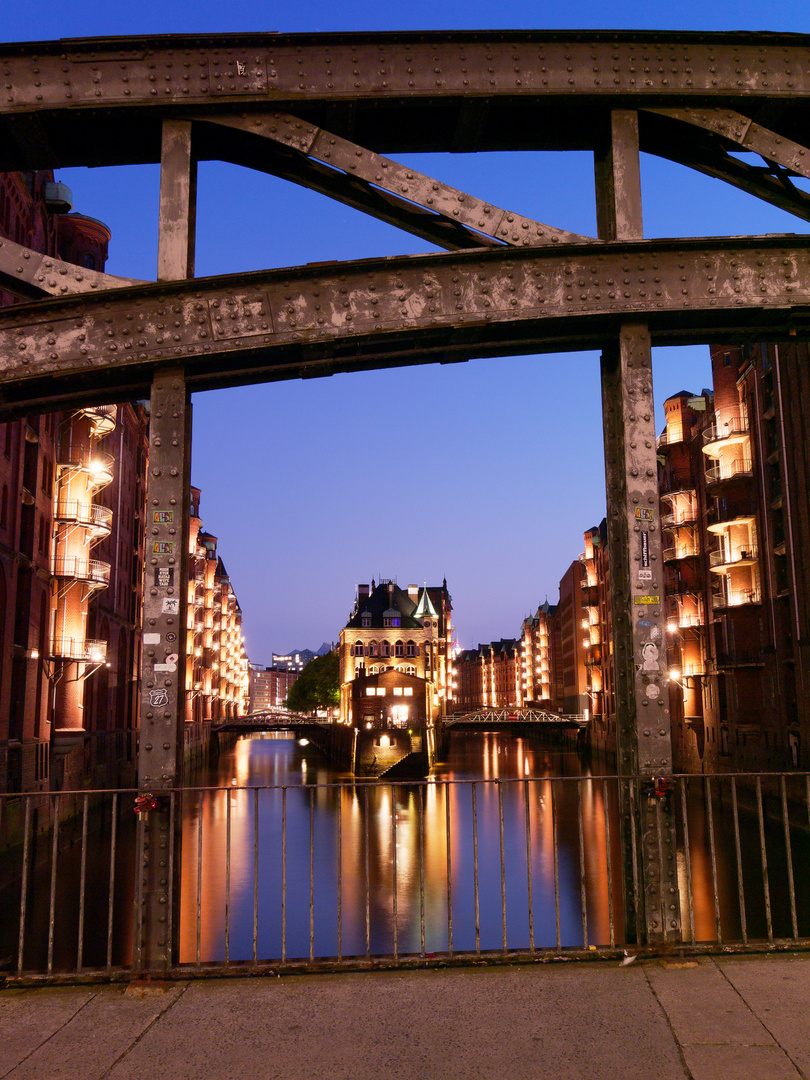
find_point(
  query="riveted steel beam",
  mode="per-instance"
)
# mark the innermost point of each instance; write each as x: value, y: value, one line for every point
x: 163, y: 670
x: 178, y: 202
x: 643, y: 736
x: 744, y: 132
x: 32, y: 275
x: 700, y: 139
x: 317, y: 320
x: 209, y: 69
x: 476, y: 221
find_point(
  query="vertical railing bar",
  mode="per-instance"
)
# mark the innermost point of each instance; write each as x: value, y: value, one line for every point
x: 255, y: 875
x: 283, y: 875
x: 113, y: 844
x: 228, y: 797
x: 738, y: 851
x: 449, y: 847
x: 137, y: 951
x: 582, y: 881
x: 340, y: 874
x: 475, y: 870
x: 789, y: 855
x: 311, y: 874
x: 530, y: 895
x: 199, y: 875
x: 82, y: 886
x: 687, y: 858
x: 713, y: 855
x: 52, y: 904
x: 764, y: 859
x: 503, y: 865
x: 172, y: 950
x: 394, y: 867
x: 24, y: 883
x: 608, y: 866
x: 556, y: 865
x: 632, y: 799
x: 422, y: 868
x: 365, y: 870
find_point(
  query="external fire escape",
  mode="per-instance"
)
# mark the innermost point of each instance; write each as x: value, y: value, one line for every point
x: 79, y: 523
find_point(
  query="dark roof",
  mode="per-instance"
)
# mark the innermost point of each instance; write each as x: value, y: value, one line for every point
x: 381, y: 601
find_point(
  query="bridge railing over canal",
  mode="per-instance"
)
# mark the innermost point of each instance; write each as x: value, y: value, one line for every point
x: 365, y: 873
x: 498, y: 717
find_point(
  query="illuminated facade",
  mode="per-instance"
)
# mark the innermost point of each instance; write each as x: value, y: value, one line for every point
x: 217, y: 680
x: 71, y: 492
x: 512, y: 672
x: 269, y: 687
x: 404, y: 635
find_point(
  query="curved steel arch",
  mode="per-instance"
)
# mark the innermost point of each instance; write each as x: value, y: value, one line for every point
x: 311, y: 321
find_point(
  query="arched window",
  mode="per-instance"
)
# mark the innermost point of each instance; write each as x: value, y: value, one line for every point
x: 410, y: 649
x: 399, y: 649
x: 358, y: 648
x: 410, y: 670
x: 385, y: 649
x: 373, y: 649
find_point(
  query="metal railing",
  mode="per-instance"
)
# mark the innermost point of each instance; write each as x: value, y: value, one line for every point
x: 73, y: 648
x: 359, y: 873
x: 715, y: 474
x: 747, y: 554
x: 93, y: 571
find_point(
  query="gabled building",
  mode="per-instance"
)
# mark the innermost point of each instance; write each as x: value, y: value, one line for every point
x: 403, y: 634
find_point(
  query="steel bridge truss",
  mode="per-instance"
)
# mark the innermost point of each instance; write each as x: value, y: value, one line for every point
x: 325, y: 112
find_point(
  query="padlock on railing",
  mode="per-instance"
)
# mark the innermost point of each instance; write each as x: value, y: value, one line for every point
x: 146, y: 802
x: 659, y: 789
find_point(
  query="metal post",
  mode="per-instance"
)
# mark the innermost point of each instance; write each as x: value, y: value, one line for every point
x: 163, y: 661
x: 652, y: 911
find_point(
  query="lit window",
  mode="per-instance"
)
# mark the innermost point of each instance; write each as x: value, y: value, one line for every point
x: 408, y: 691
x: 397, y: 691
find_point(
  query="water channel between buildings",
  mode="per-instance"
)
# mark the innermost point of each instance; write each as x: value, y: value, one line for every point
x: 322, y: 865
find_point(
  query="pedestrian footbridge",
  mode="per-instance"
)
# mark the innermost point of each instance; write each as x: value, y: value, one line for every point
x: 504, y: 717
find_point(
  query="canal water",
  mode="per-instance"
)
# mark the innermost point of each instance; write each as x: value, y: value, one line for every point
x: 285, y: 857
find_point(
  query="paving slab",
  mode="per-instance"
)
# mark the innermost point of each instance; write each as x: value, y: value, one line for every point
x: 703, y: 1007
x: 712, y: 1019
x: 590, y: 1021
x: 739, y: 1063
x: 777, y: 990
x: 84, y: 1034
x: 29, y: 1018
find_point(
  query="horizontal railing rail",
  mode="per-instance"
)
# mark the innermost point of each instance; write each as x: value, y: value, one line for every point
x: 364, y: 873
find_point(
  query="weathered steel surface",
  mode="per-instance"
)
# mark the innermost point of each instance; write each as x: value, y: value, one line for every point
x: 322, y: 319
x: 475, y: 222
x: 31, y: 275
x: 212, y: 68
x: 163, y: 669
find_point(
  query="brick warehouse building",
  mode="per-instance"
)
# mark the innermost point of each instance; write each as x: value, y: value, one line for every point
x: 72, y: 506
x: 407, y: 633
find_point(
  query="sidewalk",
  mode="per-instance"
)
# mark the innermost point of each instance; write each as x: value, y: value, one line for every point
x: 735, y: 1018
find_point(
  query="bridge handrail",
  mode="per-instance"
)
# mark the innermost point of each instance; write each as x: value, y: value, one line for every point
x: 516, y: 716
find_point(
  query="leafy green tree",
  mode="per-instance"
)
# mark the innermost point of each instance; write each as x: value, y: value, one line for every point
x: 318, y: 685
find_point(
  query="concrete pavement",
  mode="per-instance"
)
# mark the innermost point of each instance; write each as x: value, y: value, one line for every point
x: 735, y: 1018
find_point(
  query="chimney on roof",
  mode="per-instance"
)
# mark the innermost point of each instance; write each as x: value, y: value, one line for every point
x: 413, y: 593
x: 362, y: 594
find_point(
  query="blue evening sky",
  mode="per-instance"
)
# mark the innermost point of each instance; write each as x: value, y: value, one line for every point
x: 486, y: 472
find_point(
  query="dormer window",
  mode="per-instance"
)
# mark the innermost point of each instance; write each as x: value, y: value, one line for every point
x: 391, y: 617
x: 365, y: 618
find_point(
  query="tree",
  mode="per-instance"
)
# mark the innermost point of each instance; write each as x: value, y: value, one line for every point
x: 318, y: 685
